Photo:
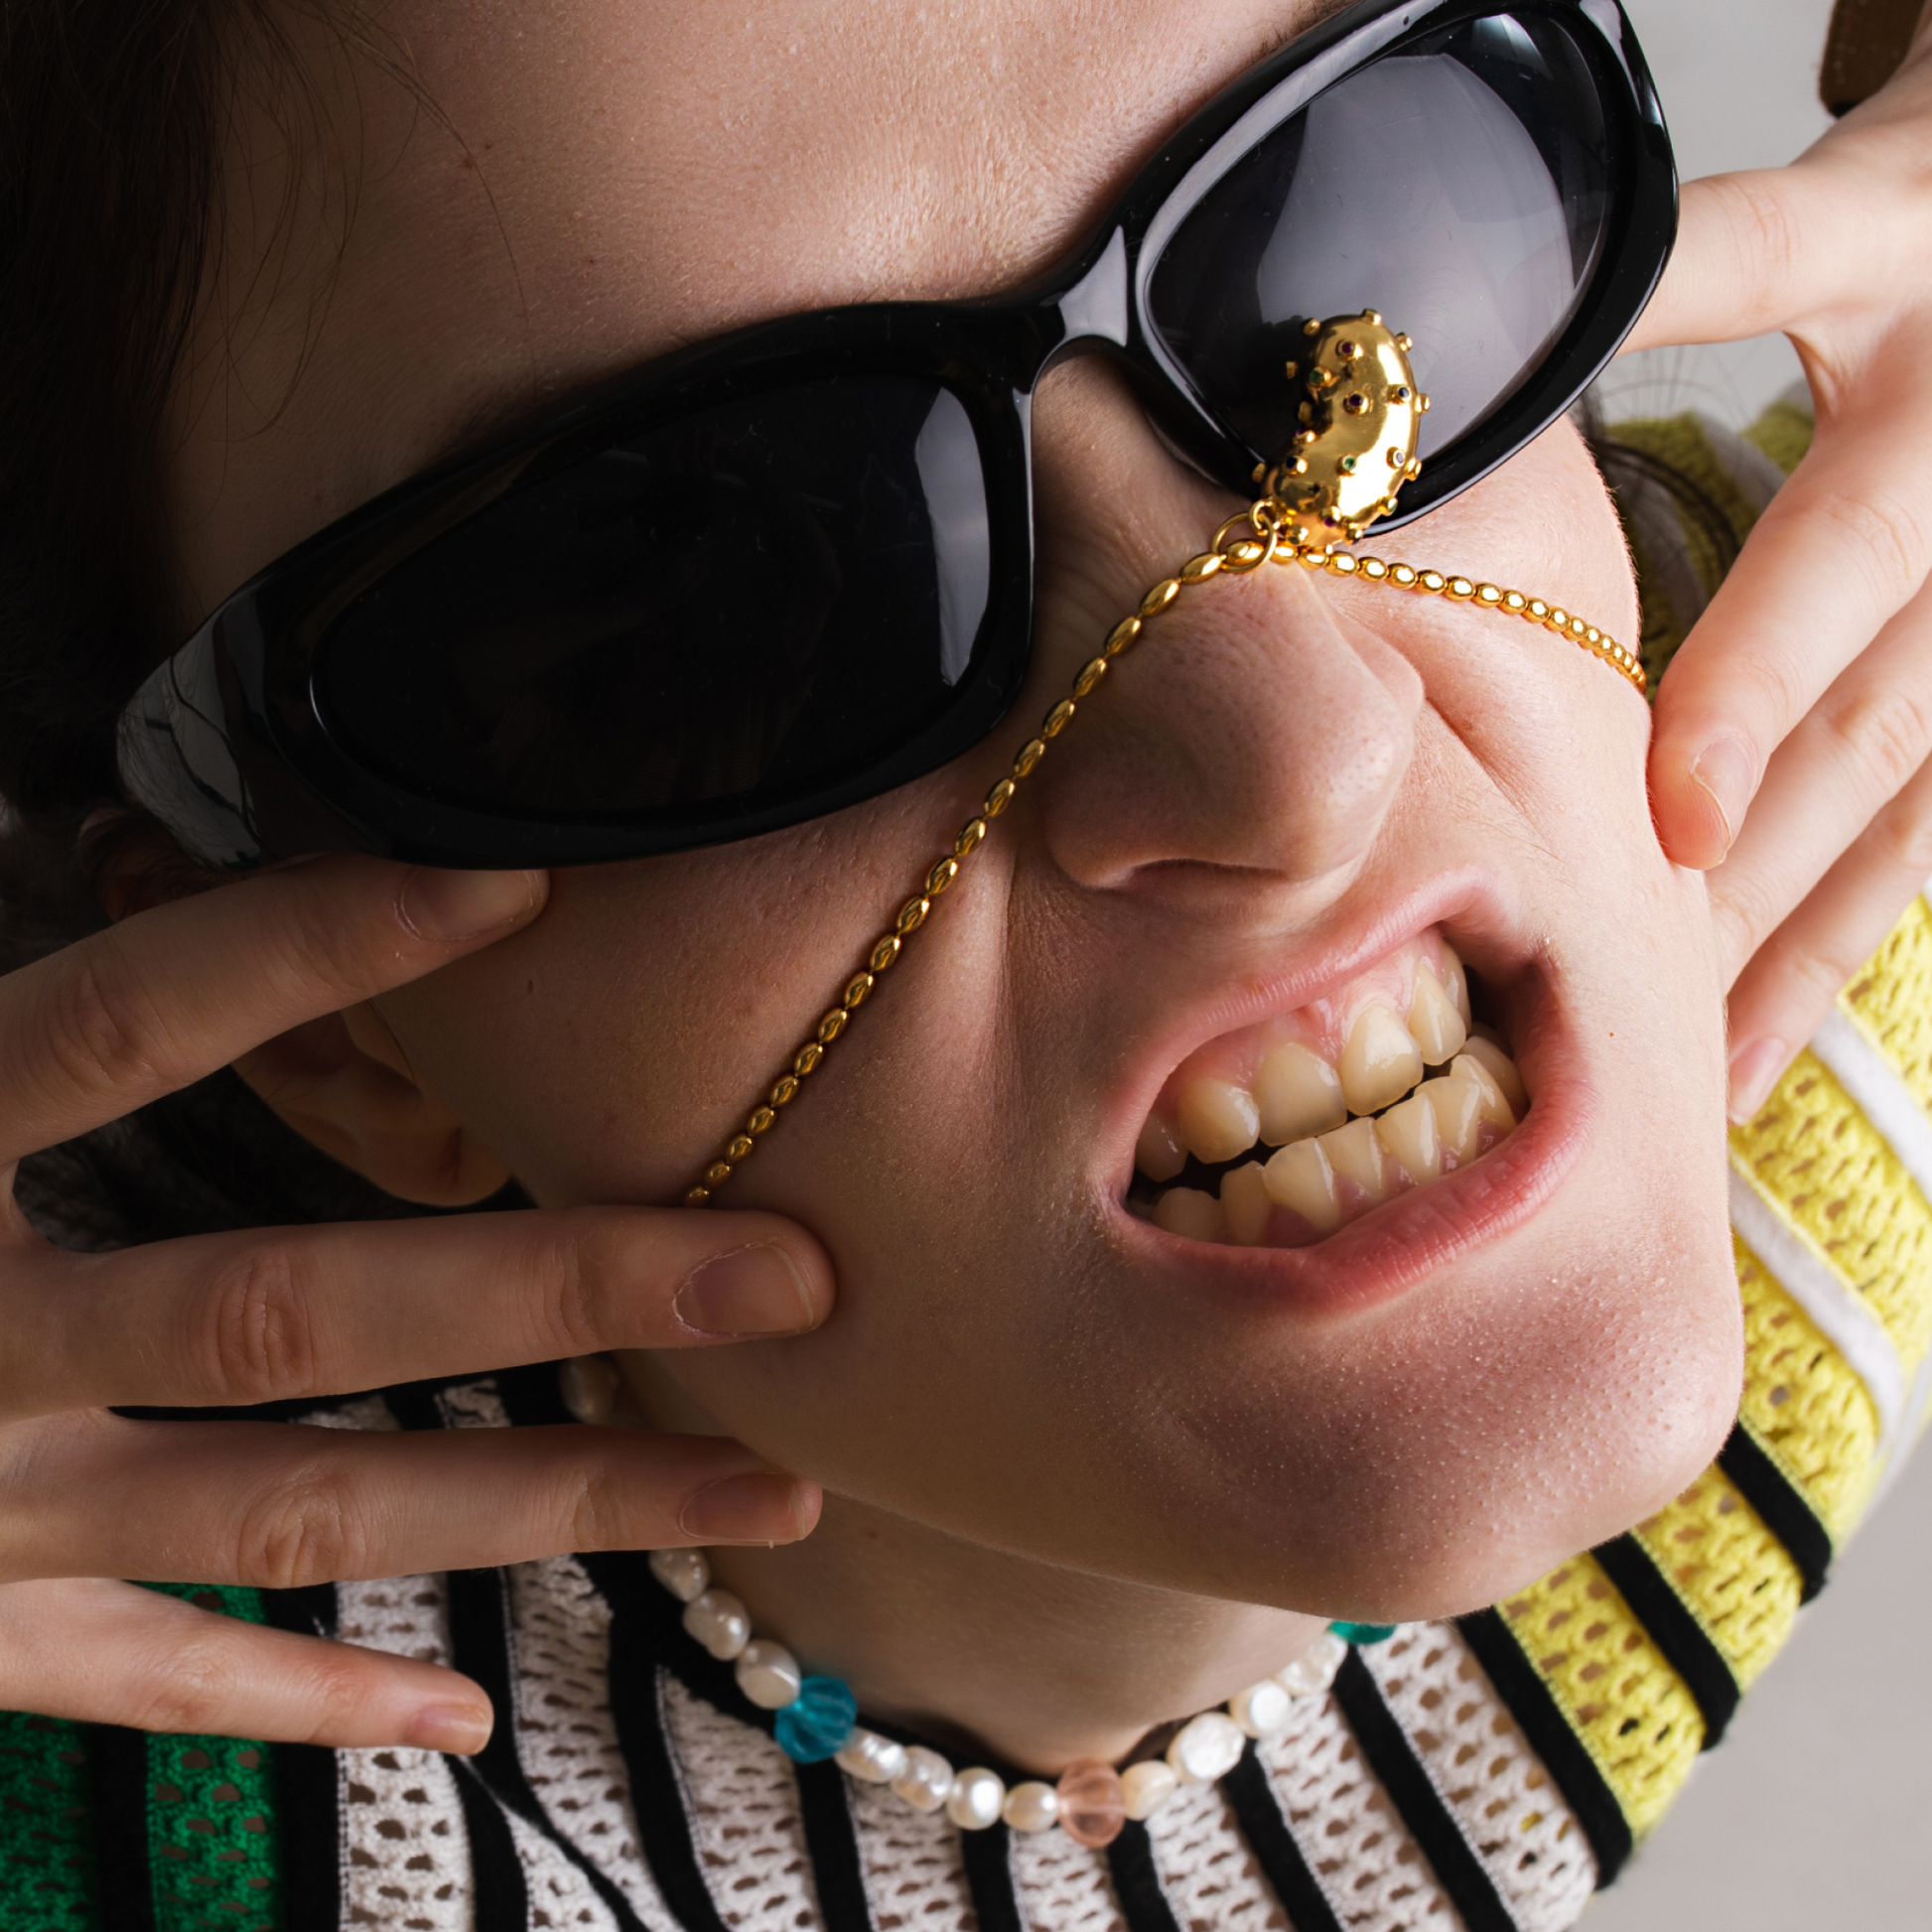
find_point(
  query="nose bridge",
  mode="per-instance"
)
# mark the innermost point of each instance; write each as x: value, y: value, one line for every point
x: 1265, y: 733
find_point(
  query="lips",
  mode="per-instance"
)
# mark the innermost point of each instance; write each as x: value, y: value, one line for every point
x: 1290, y: 1128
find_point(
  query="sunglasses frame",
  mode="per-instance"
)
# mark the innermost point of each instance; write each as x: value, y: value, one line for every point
x: 225, y: 743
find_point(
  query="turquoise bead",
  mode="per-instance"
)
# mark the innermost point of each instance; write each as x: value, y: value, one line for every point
x: 812, y: 1726
x: 1363, y: 1633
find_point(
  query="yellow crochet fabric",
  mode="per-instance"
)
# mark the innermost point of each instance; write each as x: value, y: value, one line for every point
x: 1887, y: 1004
x: 1837, y: 1193
x: 1731, y: 1570
x: 1803, y: 1404
x: 1631, y: 1708
x: 1830, y: 1176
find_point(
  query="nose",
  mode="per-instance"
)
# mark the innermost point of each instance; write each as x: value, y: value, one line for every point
x: 1256, y: 728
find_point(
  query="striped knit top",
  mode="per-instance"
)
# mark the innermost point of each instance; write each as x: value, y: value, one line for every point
x: 1489, y: 1774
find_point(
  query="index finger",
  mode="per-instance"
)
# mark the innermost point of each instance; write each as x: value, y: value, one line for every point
x: 169, y: 996
x: 1841, y: 548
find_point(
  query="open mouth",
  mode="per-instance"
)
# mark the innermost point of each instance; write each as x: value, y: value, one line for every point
x: 1280, y: 1133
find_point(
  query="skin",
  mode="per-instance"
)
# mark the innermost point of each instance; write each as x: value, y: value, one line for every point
x: 1030, y: 1410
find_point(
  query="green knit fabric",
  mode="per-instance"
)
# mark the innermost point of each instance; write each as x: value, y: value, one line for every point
x: 46, y: 1827
x: 212, y: 1841
x: 211, y: 1836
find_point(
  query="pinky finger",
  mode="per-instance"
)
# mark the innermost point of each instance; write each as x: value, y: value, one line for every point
x: 1789, y: 985
x: 100, y: 1652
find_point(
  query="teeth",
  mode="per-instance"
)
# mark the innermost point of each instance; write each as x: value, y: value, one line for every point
x: 1501, y: 1069
x: 1158, y: 1152
x: 1301, y: 1179
x: 1356, y: 1154
x: 1245, y: 1205
x: 1380, y: 1063
x: 1455, y: 982
x: 1459, y: 1105
x: 1497, y: 1109
x: 1434, y: 1021
x: 1298, y: 1093
x: 1408, y: 1134
x: 1218, y: 1120
x: 1187, y: 1211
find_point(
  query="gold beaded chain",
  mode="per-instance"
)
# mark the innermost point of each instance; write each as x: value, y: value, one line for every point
x: 1269, y: 530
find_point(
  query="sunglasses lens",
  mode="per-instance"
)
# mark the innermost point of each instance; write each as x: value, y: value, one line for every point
x: 744, y: 606
x: 1461, y: 185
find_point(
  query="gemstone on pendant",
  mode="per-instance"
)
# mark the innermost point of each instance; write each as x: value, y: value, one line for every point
x: 811, y: 1727
x: 1093, y: 1804
x: 1363, y: 1633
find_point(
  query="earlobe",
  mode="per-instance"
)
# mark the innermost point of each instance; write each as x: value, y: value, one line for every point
x: 345, y: 1085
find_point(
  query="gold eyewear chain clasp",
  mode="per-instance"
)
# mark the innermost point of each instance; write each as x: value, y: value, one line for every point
x: 1361, y: 418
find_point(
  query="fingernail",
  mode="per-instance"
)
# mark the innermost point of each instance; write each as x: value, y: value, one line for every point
x: 750, y: 1291
x: 756, y: 1508
x: 1753, y: 1070
x: 442, y: 905
x: 460, y: 1729
x: 1726, y: 773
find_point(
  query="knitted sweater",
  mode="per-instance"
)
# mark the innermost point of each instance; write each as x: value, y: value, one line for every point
x: 1488, y: 1772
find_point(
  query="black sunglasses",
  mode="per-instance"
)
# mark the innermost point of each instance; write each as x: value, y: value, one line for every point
x: 781, y: 572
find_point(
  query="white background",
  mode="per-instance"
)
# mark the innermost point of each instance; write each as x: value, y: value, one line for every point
x: 1816, y: 1813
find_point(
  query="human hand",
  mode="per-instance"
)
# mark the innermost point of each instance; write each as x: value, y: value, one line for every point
x: 86, y: 1496
x: 1791, y: 734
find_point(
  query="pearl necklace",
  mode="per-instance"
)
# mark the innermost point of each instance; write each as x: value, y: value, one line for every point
x: 816, y: 1717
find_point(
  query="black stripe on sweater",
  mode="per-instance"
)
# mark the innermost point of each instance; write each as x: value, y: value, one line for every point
x: 833, y: 1842
x: 1675, y: 1631
x: 1776, y: 1499
x: 1564, y: 1754
x: 1274, y: 1845
x: 987, y: 1858
x: 118, y: 1759
x: 1137, y: 1883
x: 1406, y: 1779
x: 501, y: 1898
x: 479, y: 1647
x: 308, y: 1793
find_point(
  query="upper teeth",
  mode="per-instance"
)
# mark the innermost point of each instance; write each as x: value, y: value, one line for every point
x: 1329, y: 1165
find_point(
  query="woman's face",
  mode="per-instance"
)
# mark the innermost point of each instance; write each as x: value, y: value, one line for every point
x: 1289, y: 782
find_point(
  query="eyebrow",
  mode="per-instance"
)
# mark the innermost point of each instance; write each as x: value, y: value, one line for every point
x: 502, y: 410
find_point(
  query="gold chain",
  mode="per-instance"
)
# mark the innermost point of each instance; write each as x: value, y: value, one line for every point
x: 1267, y: 531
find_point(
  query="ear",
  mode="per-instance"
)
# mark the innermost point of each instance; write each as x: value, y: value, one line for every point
x: 345, y: 1085
x: 342, y: 1082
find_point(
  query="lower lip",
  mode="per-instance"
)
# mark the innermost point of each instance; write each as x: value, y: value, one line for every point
x: 1398, y: 1245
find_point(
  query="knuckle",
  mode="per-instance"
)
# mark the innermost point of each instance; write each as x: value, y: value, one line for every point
x: 1903, y: 836
x: 257, y: 1341
x: 1881, y: 731
x: 194, y: 1688
x: 1772, y: 253
x: 563, y: 1294
x: 1814, y: 974
x: 600, y: 1512
x: 305, y: 1527
x: 102, y: 1031
x: 1744, y: 913
x: 1881, y: 539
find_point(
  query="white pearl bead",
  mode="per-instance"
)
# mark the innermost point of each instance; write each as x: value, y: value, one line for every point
x: 720, y: 1623
x: 768, y: 1674
x: 1148, y: 1786
x: 1032, y: 1807
x: 1314, y: 1671
x: 1263, y: 1710
x: 684, y: 1572
x: 589, y: 1386
x: 1207, y: 1747
x: 926, y: 1781
x: 975, y: 1800
x: 876, y: 1760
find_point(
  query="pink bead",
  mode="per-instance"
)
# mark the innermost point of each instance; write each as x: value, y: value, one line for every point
x: 1093, y: 1808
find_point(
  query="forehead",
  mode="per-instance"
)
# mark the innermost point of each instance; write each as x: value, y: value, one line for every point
x: 502, y: 200
x: 656, y: 172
